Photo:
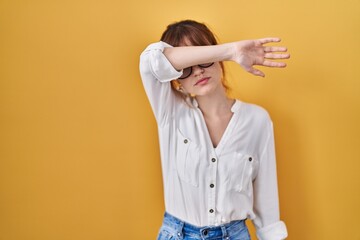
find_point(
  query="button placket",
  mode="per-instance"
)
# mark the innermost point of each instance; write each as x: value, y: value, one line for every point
x: 212, y: 190
x: 212, y: 170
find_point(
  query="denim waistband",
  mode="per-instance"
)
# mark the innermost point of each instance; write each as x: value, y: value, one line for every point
x: 208, y: 232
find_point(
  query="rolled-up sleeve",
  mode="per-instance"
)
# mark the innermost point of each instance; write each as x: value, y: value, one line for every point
x: 266, y: 202
x: 156, y: 73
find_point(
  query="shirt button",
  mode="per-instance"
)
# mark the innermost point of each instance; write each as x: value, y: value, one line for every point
x: 185, y: 141
x: 213, y: 160
x: 250, y: 159
x: 212, y: 185
x: 211, y: 210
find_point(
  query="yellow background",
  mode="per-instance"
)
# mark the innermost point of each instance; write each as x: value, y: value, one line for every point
x: 79, y: 155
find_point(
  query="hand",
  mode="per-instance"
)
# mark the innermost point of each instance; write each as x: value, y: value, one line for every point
x: 252, y: 52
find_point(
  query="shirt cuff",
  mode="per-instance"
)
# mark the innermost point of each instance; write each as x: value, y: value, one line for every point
x: 275, y: 231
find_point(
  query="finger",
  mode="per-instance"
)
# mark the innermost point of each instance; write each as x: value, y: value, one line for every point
x: 276, y: 56
x: 268, y: 40
x: 274, y: 49
x: 256, y: 72
x: 267, y: 63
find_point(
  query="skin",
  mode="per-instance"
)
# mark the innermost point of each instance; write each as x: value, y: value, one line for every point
x: 211, y: 95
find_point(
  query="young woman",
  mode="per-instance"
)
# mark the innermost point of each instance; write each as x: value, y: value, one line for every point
x: 217, y: 153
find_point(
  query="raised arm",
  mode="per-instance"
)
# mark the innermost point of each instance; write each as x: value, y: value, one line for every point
x: 156, y: 73
x: 247, y: 54
x: 160, y: 63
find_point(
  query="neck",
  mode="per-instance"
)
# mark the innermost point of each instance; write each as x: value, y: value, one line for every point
x: 215, y: 104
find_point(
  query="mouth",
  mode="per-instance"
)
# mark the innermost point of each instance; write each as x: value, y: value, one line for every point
x: 202, y: 81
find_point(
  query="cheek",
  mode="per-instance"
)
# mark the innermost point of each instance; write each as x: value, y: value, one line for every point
x: 218, y: 70
x: 187, y: 84
x: 216, y: 73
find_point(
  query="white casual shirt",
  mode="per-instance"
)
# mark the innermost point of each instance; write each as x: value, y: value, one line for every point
x: 207, y: 186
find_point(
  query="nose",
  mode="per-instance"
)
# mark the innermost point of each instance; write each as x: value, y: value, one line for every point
x: 198, y: 70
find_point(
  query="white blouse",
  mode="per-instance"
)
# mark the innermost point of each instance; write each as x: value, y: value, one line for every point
x: 207, y: 186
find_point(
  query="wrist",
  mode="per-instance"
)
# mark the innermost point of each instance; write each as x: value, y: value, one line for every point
x: 228, y: 51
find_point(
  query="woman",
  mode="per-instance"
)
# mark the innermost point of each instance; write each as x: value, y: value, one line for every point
x: 217, y: 153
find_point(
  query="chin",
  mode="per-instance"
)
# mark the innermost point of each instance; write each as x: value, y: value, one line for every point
x: 204, y: 92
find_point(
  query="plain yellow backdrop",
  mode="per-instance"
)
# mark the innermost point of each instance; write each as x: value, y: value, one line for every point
x: 79, y: 157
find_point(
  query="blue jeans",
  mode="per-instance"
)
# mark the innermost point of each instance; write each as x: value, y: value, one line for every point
x: 176, y: 229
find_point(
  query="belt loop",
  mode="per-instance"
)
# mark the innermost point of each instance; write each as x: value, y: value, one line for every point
x: 180, y: 229
x: 224, y: 232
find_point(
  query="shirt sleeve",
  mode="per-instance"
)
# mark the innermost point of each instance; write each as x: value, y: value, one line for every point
x: 266, y: 203
x: 156, y: 73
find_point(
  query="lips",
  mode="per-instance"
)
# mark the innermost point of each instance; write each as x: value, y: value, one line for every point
x: 202, y: 81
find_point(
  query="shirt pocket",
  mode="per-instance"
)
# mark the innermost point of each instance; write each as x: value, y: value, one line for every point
x: 187, y: 159
x: 242, y: 169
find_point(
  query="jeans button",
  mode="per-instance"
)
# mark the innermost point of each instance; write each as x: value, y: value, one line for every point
x: 205, y: 232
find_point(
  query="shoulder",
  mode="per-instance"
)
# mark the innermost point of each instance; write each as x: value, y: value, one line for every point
x: 256, y: 120
x: 254, y: 112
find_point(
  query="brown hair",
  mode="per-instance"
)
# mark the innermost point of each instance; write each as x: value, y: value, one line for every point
x: 195, y: 33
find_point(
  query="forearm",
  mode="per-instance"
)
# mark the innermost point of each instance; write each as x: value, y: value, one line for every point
x: 182, y: 57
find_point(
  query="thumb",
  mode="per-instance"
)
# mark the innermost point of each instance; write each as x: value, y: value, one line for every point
x: 256, y: 72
